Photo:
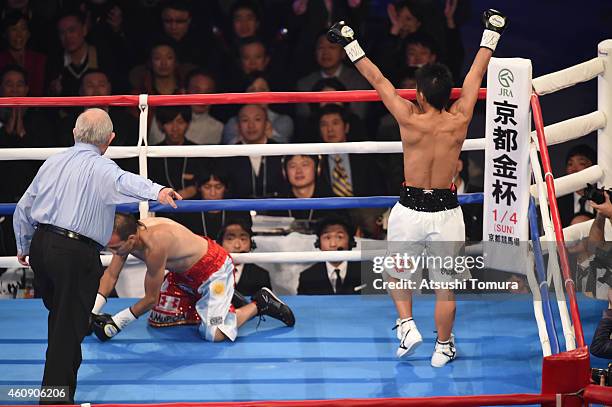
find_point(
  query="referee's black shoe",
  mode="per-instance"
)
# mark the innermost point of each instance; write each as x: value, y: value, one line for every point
x: 269, y: 304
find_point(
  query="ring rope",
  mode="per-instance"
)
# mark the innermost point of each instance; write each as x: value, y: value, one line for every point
x: 571, y: 76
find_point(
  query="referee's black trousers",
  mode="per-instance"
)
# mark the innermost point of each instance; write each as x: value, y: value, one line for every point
x: 66, y: 275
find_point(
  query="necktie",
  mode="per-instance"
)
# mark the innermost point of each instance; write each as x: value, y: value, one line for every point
x: 340, y: 181
x: 338, y: 286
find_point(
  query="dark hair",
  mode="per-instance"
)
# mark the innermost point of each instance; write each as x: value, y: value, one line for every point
x: 435, y: 82
x: 216, y: 172
x: 14, y: 68
x: 582, y: 150
x: 335, y: 220
x: 584, y: 213
x: 165, y: 114
x: 248, y: 4
x: 286, y: 158
x: 423, y: 39
x: 12, y: 18
x: 252, y: 40
x: 71, y: 12
x: 334, y: 109
x: 125, y: 225
x: 412, y: 6
x: 181, y: 5
x: 328, y: 83
x: 91, y: 71
x: 198, y: 72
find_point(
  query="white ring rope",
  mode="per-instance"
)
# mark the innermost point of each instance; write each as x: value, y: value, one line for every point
x: 573, y: 182
x: 555, y: 133
x: 571, y: 76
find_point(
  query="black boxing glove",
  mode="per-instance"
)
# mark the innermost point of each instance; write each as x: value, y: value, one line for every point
x: 495, y: 23
x: 104, y: 327
x: 341, y: 33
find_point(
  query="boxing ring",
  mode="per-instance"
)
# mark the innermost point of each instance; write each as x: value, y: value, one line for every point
x: 342, y: 346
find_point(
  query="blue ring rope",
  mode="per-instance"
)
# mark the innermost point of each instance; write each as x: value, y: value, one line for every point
x: 271, y: 204
x: 541, y: 277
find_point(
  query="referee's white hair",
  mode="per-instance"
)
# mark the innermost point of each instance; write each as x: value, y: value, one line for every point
x: 93, y: 126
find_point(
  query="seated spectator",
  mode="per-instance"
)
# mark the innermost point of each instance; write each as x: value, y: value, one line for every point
x: 95, y: 82
x: 65, y: 68
x: 254, y: 176
x: 348, y: 174
x: 39, y: 15
x: 582, y: 217
x: 161, y: 76
x: 182, y: 174
x: 196, y: 48
x: 282, y: 124
x: 332, y: 277
x: 310, y: 18
x: 204, y: 128
x: 303, y: 174
x: 245, y: 18
x: 308, y: 128
x: 16, y: 29
x: 578, y: 158
x: 330, y: 59
x: 236, y: 236
x: 213, y: 185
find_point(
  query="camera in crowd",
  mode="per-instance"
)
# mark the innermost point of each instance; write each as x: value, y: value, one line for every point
x: 606, y: 374
x: 592, y: 193
x: 596, y: 278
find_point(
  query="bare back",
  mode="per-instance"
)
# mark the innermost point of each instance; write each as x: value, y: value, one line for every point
x: 181, y: 246
x: 432, y: 143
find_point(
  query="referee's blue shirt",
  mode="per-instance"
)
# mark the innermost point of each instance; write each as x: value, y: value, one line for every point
x: 77, y: 190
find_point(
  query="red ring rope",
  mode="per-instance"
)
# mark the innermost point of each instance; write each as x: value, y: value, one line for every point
x: 216, y: 98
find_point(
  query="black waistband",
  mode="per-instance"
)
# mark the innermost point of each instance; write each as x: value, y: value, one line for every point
x: 428, y: 200
x: 70, y: 234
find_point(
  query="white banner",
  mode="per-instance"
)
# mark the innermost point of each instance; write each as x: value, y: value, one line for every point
x: 507, y: 172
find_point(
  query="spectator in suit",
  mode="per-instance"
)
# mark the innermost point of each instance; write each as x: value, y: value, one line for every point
x: 254, y: 176
x: 330, y: 59
x: 236, y: 236
x: 282, y: 124
x: 333, y: 233
x: 472, y: 213
x: 65, y: 68
x: 578, y: 158
x: 347, y: 174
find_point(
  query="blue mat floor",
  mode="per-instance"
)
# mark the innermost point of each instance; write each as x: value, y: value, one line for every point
x: 341, y: 346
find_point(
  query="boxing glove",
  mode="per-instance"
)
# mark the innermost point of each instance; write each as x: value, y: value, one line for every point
x: 104, y: 327
x: 495, y: 23
x: 341, y: 33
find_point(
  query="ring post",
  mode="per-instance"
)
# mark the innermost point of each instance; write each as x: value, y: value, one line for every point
x: 604, y: 104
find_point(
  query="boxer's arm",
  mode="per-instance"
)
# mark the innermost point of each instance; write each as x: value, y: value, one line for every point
x: 471, y: 85
x: 156, y: 266
x: 111, y: 275
x: 494, y: 23
x: 397, y: 105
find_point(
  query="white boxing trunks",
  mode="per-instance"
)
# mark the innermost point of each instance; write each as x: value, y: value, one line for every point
x: 426, y: 226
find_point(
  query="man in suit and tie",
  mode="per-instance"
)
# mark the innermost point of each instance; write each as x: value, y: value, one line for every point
x: 236, y: 236
x: 333, y: 233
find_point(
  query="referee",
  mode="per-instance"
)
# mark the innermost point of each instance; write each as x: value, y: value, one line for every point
x: 62, y: 222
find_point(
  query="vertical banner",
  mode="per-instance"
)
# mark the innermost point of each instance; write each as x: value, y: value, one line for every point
x: 507, y: 172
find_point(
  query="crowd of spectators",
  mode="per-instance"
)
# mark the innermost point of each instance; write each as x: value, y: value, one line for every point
x: 109, y: 47
x: 106, y: 47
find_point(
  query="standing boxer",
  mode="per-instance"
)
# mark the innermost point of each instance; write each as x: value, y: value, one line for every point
x: 432, y: 137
